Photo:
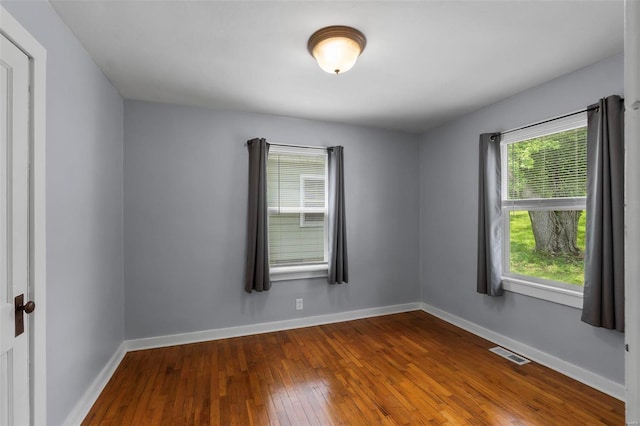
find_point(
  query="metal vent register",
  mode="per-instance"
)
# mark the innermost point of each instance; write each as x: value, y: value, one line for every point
x: 509, y: 355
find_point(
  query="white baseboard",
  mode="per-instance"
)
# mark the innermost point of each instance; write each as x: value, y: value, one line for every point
x: 83, y: 406
x: 266, y: 327
x: 600, y: 383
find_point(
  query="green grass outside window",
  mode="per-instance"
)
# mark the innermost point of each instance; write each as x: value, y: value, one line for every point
x: 525, y: 260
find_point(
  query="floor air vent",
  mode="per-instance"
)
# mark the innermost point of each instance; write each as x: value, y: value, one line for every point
x: 509, y: 355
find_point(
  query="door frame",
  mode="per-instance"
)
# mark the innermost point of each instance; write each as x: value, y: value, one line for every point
x: 17, y: 34
x: 632, y: 201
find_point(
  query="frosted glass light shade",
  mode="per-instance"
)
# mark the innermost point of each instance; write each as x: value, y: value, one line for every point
x: 336, y: 48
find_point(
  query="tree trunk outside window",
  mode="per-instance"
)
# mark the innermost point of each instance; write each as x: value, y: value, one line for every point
x: 556, y: 232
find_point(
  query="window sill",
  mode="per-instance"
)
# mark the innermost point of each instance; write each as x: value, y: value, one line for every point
x: 563, y: 296
x: 285, y: 273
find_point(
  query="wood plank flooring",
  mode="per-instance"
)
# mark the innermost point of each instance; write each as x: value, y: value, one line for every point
x: 409, y: 368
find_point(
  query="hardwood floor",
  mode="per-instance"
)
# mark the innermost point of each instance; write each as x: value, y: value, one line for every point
x: 409, y: 368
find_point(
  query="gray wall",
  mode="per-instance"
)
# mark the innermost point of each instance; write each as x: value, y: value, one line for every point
x: 448, y: 219
x: 185, y: 217
x: 84, y: 211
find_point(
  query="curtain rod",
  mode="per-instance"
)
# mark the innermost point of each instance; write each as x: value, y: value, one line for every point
x: 591, y: 108
x: 295, y: 146
x: 298, y: 146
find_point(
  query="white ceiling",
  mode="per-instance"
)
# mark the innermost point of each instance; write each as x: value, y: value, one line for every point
x: 425, y: 61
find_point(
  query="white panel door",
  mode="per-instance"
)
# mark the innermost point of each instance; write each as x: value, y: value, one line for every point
x: 14, y: 232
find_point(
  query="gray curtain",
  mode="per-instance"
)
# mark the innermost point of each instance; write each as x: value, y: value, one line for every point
x: 338, y: 262
x: 603, y: 304
x: 257, y: 265
x: 489, y: 217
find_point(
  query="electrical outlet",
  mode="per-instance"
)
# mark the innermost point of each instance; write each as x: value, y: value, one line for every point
x: 299, y: 305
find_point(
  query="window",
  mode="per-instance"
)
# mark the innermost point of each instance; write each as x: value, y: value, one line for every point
x: 544, y: 184
x: 312, y: 195
x: 297, y: 206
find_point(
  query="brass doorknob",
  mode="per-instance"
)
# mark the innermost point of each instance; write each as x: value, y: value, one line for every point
x: 28, y: 307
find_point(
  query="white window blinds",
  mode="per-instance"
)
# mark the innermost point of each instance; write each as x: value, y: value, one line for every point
x: 297, y: 204
x: 551, y: 166
x: 545, y: 165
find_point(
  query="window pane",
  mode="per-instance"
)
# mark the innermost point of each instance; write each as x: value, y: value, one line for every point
x: 312, y: 191
x: 552, y: 166
x: 288, y: 176
x: 292, y: 244
x: 312, y: 219
x: 548, y: 244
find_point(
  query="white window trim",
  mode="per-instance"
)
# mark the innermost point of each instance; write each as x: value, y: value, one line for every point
x: 298, y: 210
x: 552, y: 291
x: 305, y: 271
x: 298, y: 272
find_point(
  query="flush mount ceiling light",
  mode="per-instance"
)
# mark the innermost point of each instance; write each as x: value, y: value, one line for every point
x: 336, y: 48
